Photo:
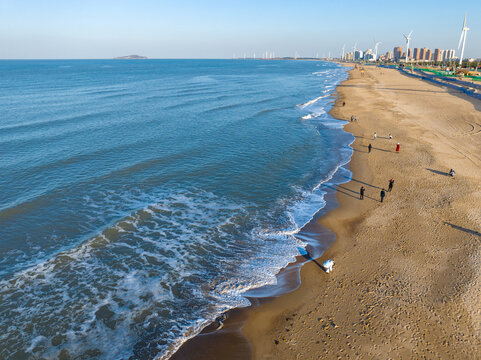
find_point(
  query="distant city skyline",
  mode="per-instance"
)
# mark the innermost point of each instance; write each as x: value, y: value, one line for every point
x: 54, y: 29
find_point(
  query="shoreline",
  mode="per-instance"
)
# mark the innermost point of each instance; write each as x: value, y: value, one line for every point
x: 205, y: 345
x: 401, y: 298
x: 393, y: 293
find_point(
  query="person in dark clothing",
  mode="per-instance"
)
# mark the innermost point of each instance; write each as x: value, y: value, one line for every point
x: 391, y: 184
x: 383, y: 193
x: 352, y: 118
x: 361, y: 192
x: 369, y: 147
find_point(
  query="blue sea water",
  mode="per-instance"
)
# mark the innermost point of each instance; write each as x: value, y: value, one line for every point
x: 140, y: 199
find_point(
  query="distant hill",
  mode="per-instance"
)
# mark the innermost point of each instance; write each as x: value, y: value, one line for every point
x: 131, y: 57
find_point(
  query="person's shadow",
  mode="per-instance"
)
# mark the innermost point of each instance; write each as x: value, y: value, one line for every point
x: 460, y: 228
x: 438, y: 172
x: 308, y: 257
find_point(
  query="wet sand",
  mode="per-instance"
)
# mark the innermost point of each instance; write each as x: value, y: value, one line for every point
x: 407, y: 275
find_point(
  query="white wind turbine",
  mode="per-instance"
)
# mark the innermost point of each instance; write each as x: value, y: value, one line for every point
x: 464, y: 32
x: 408, y: 38
x: 343, y: 48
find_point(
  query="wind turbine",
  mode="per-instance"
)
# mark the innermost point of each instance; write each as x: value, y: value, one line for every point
x: 408, y: 38
x: 464, y: 32
x: 343, y: 48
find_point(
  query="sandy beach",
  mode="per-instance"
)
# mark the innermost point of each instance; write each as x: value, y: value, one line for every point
x: 407, y: 278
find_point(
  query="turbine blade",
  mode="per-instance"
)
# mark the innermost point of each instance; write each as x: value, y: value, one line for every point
x: 410, y: 34
x: 461, y: 39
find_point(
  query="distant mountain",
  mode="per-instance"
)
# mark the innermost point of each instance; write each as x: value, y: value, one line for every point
x: 131, y: 57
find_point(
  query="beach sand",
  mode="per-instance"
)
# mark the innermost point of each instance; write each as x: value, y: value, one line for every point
x: 407, y: 276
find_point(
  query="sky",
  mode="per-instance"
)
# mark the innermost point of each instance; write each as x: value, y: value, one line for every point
x: 80, y: 29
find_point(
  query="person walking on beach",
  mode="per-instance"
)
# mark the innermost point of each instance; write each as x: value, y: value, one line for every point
x: 383, y: 193
x: 397, y: 147
x: 375, y: 135
x: 352, y: 118
x: 390, y: 136
x: 361, y: 193
x: 391, y: 184
x: 369, y: 147
x: 355, y: 118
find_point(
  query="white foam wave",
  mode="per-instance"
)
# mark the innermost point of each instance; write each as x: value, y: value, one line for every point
x: 313, y: 101
x: 108, y: 293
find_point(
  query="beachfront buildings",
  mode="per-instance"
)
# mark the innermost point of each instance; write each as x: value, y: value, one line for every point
x: 369, y: 55
x: 424, y: 55
x: 448, y: 55
x: 398, y: 53
x: 349, y: 56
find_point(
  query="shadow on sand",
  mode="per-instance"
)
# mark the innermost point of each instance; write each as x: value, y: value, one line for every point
x: 438, y: 172
x: 362, y: 182
x: 379, y: 149
x: 359, y: 150
x: 308, y: 257
x: 469, y: 231
x: 352, y: 193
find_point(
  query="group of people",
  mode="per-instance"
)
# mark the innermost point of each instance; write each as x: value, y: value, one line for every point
x: 375, y: 134
x: 398, y: 145
x: 383, y: 191
x: 353, y: 118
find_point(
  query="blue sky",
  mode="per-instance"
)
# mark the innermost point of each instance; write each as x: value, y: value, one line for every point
x: 218, y: 29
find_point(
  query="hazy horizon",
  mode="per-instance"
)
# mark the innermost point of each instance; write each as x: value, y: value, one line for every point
x: 221, y: 29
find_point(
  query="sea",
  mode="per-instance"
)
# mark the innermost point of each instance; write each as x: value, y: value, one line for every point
x: 141, y: 199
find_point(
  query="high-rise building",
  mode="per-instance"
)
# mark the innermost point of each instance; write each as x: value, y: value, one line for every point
x: 448, y: 55
x: 349, y: 56
x: 437, y: 55
x: 388, y: 55
x: 429, y: 55
x: 358, y: 55
x: 410, y: 53
x: 417, y: 54
x: 398, y: 51
x: 424, y: 54
x: 441, y: 55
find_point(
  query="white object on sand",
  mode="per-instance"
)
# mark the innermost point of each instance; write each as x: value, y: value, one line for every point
x: 328, y: 264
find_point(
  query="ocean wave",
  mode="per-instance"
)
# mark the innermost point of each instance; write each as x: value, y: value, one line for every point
x: 188, y: 253
x: 313, y: 101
